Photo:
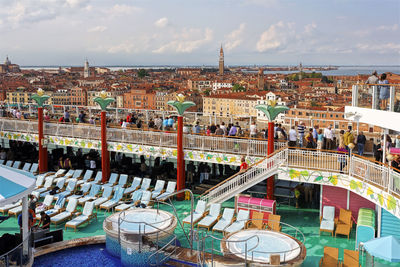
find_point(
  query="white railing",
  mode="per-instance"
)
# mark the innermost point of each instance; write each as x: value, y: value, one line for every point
x: 242, y: 181
x: 372, y: 172
x: 394, y: 182
x: 318, y: 160
x: 242, y: 146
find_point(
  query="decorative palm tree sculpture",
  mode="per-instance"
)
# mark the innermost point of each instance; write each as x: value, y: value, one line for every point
x: 103, y: 102
x: 271, y: 110
x: 180, y: 105
x: 40, y: 98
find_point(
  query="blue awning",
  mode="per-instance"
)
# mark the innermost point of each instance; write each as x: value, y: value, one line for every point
x: 15, y: 184
x: 387, y: 248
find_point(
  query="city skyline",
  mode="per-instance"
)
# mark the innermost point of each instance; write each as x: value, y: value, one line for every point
x: 258, y: 32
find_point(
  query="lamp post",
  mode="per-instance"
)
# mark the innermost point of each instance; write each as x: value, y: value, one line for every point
x: 271, y: 110
x: 180, y: 105
x: 40, y: 98
x: 104, y: 101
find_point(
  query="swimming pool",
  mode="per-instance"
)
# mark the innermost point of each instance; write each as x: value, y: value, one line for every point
x: 89, y: 255
x: 262, y: 245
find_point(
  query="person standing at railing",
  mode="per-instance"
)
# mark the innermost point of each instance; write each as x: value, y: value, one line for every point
x: 301, y: 129
x: 320, y: 139
x: 397, y: 142
x: 384, y: 92
x: 292, y: 137
x: 342, y: 157
x: 66, y: 116
x: 253, y: 130
x: 223, y: 127
x: 309, y: 139
x: 196, y: 128
x: 328, y: 134
x: 361, y: 140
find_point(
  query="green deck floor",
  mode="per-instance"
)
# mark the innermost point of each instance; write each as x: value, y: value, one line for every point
x: 306, y: 220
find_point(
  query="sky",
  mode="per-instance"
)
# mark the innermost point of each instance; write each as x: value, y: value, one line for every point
x: 190, y: 32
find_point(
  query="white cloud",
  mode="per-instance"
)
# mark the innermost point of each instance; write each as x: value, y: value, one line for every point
x: 119, y: 10
x: 161, y: 23
x: 393, y: 27
x: 382, y: 48
x: 309, y: 28
x: 97, y: 29
x: 276, y: 36
x: 234, y: 39
x: 186, y: 41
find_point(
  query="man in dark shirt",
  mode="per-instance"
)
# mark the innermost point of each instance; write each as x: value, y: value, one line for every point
x: 44, y: 222
x: 361, y: 140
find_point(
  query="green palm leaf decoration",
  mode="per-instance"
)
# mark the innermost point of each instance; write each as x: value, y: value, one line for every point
x: 103, y: 100
x: 40, y: 97
x: 181, y: 105
x: 271, y: 110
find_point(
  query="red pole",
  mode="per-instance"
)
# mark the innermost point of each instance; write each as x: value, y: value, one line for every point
x: 105, y: 167
x: 271, y: 140
x: 180, y: 178
x: 42, y: 150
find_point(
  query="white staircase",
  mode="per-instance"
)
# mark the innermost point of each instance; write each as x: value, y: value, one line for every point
x: 242, y: 181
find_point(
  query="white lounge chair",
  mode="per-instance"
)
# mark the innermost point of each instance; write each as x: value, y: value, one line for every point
x: 94, y: 190
x: 327, y: 220
x: 225, y: 221
x: 214, y: 214
x: 134, y: 186
x: 158, y: 188
x: 135, y: 197
x: 97, y: 179
x: 17, y: 164
x: 47, y: 185
x: 171, y: 186
x: 1, y: 161
x: 67, y: 214
x: 69, y: 190
x: 86, y: 178
x: 67, y: 175
x: 34, y: 168
x: 113, y: 180
x: 107, y: 192
x: 85, y: 190
x: 77, y: 174
x: 4, y: 209
x: 119, y: 193
x: 9, y: 163
x: 86, y: 216
x: 55, y: 209
x: 39, y: 181
x: 60, y: 184
x: 145, y: 184
x: 45, y: 204
x: 241, y: 220
x: 144, y: 202
x: 123, y: 179
x: 27, y: 166
x: 198, y: 212
x: 15, y: 211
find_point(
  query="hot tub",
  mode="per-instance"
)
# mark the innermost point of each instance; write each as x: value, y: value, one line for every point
x: 133, y: 235
x: 261, y: 244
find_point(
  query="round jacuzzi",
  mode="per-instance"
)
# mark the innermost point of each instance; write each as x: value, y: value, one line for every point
x: 134, y: 234
x: 261, y: 244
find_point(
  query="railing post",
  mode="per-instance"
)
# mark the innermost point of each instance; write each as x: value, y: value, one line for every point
x: 354, y: 96
x: 392, y: 98
x: 390, y: 180
x: 375, y: 101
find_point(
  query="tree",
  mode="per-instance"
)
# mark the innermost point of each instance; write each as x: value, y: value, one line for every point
x: 142, y: 73
x: 238, y: 88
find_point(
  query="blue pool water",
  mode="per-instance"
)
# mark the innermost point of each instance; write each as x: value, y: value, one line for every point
x: 90, y: 256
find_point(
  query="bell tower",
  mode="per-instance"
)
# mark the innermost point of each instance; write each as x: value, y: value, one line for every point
x: 221, y: 61
x: 86, y: 70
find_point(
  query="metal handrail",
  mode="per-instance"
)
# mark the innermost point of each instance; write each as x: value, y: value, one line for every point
x: 6, y: 255
x: 142, y: 234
